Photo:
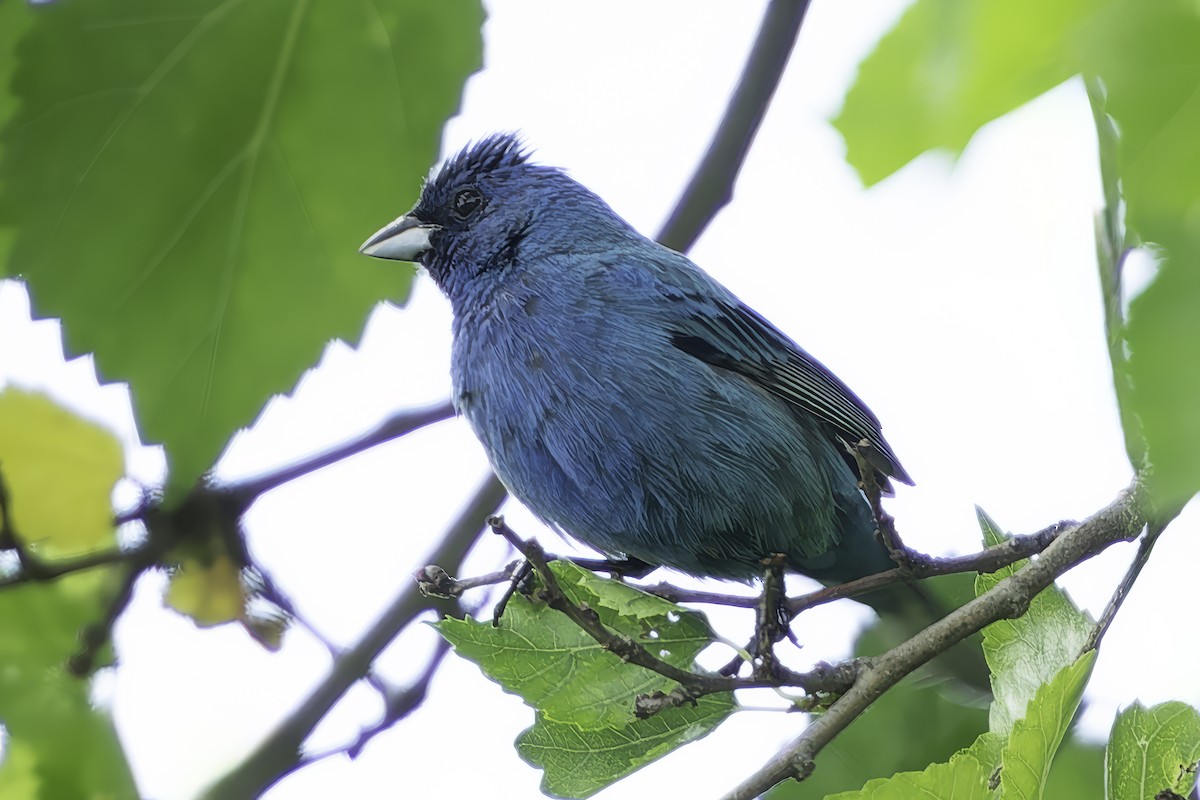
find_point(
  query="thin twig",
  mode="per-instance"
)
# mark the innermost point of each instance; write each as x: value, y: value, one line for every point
x: 711, y: 186
x: 677, y: 594
x: 823, y: 679
x: 1123, y: 519
x: 35, y: 569
x: 885, y: 523
x: 988, y: 560
x: 279, y: 753
x: 401, y: 424
x: 1145, y: 545
x: 440, y: 583
x: 436, y: 582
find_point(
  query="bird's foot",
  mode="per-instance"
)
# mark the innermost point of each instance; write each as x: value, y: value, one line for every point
x: 773, y: 622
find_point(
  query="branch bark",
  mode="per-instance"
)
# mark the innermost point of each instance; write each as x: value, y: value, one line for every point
x: 1121, y: 520
x: 711, y: 187
x: 279, y: 754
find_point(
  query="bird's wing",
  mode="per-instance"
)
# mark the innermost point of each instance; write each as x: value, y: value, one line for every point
x: 730, y: 335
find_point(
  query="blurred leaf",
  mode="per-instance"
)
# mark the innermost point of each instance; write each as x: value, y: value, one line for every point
x: 1151, y: 750
x: 188, y: 186
x: 962, y: 778
x: 1078, y: 772
x: 880, y: 742
x: 1035, y: 737
x: 14, y: 23
x: 552, y: 664
x: 949, y: 67
x: 579, y: 762
x: 58, y: 738
x: 1112, y: 245
x: 210, y: 593
x: 60, y: 470
x: 1026, y: 652
x: 1038, y: 677
x: 1145, y: 55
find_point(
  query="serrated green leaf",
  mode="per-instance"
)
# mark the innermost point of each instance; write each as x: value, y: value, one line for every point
x: 551, y: 663
x: 1151, y: 750
x: 1026, y: 652
x: 579, y: 762
x: 1035, y: 738
x: 947, y: 68
x: 188, y: 187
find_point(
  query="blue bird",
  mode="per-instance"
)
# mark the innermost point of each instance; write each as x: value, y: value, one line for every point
x: 624, y: 395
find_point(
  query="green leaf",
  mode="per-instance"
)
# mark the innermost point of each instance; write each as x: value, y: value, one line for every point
x: 188, y: 187
x: 58, y: 739
x: 964, y: 777
x: 60, y: 470
x: 1026, y: 652
x: 949, y: 67
x: 1035, y: 738
x: 1078, y: 771
x: 550, y: 662
x: 579, y: 762
x: 1112, y: 244
x: 1145, y: 55
x: 1151, y: 750
x: 585, y: 735
x: 1026, y: 756
x: 880, y: 742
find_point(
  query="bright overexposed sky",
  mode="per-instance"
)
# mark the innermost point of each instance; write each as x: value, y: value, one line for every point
x: 985, y: 360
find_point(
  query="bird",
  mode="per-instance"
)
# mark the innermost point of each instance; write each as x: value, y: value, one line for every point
x: 628, y: 398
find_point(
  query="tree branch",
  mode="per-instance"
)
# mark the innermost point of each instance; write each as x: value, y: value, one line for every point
x: 1145, y: 545
x: 438, y: 582
x: 405, y: 422
x: 1122, y: 520
x: 279, y: 754
x: 822, y: 679
x: 711, y: 186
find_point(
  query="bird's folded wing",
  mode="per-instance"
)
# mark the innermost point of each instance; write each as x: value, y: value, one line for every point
x: 733, y: 336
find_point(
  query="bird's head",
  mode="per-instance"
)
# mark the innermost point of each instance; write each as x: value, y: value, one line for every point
x: 489, y: 209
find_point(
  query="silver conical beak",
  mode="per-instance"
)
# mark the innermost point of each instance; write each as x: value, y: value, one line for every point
x: 404, y: 239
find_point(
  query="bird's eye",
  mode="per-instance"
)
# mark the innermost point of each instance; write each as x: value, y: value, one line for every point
x: 466, y: 203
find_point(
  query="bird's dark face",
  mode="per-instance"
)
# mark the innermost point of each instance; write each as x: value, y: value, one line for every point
x: 487, y: 210
x: 472, y: 218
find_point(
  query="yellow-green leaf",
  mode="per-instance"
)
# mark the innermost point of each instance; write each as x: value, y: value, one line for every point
x: 59, y: 469
x: 210, y: 593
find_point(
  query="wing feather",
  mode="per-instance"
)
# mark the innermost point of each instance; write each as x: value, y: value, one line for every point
x: 737, y: 338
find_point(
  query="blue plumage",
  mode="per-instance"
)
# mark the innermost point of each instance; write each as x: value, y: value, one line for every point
x: 625, y: 396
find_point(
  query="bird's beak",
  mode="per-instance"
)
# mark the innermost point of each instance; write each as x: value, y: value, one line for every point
x: 404, y: 239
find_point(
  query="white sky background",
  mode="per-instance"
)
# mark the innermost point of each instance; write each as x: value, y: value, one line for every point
x: 986, y: 363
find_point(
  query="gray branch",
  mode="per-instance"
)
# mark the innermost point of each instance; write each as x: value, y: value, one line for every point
x: 1122, y: 520
x: 279, y: 754
x: 711, y: 187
